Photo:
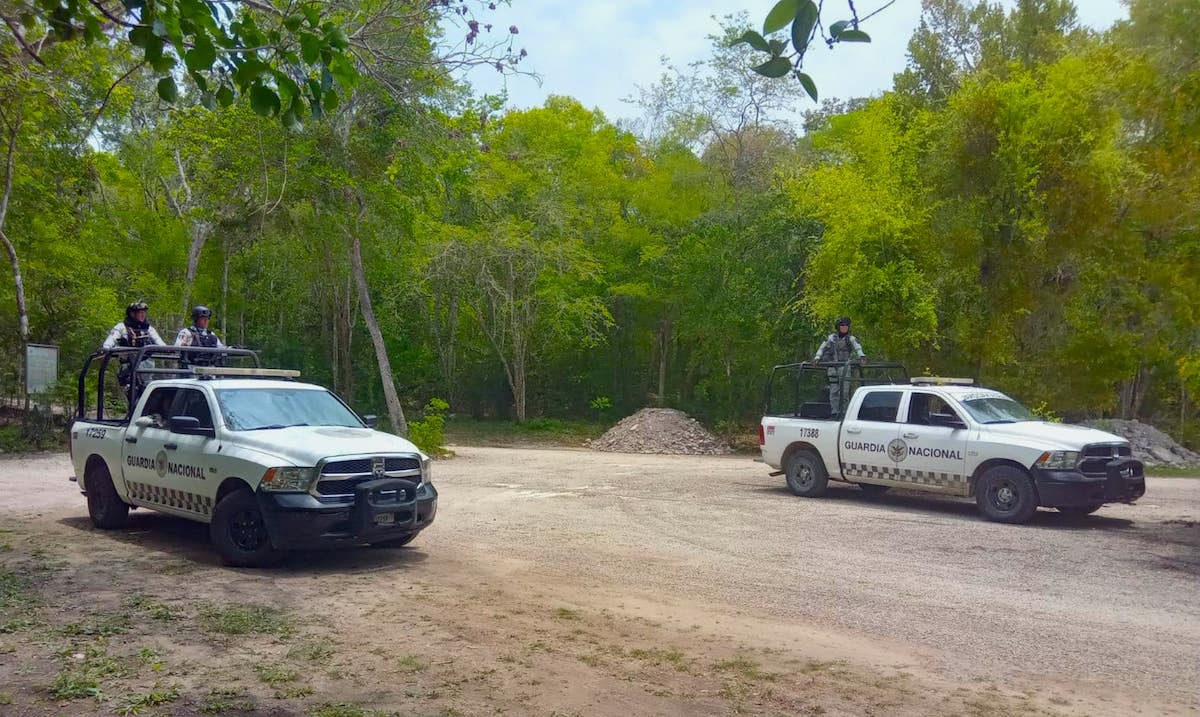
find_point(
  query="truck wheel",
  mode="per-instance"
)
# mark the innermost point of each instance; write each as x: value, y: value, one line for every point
x: 1078, y: 511
x: 872, y: 489
x: 1006, y: 494
x: 395, y: 542
x: 805, y: 474
x: 240, y: 534
x: 105, y: 507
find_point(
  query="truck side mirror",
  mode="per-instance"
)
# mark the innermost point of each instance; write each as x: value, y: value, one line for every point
x: 371, y: 421
x: 949, y: 421
x: 190, y: 426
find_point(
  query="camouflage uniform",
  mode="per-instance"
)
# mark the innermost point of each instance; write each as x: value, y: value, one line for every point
x: 840, y: 349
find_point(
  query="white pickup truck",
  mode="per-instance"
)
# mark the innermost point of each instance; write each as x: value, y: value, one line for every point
x: 939, y: 435
x: 269, y: 463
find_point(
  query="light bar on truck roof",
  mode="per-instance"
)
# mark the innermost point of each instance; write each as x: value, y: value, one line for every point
x: 941, y: 381
x: 239, y: 371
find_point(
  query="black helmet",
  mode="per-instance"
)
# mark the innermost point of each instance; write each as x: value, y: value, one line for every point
x: 201, y: 311
x: 844, y: 321
x: 138, y: 305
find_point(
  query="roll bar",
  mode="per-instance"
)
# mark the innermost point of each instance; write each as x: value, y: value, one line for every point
x: 136, y: 356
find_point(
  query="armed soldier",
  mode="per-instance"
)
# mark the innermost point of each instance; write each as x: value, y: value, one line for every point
x: 840, y: 347
x: 134, y: 332
x: 198, y: 334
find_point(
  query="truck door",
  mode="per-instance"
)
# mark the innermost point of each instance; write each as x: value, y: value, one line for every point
x: 935, y: 444
x: 868, y: 434
x: 171, y: 469
x: 144, y: 439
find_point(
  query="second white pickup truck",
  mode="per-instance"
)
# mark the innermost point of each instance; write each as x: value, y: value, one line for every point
x: 939, y: 435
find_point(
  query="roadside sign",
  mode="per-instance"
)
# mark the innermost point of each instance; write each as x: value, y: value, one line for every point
x: 41, y: 367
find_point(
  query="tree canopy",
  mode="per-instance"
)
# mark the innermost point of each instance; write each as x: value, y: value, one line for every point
x: 1020, y: 207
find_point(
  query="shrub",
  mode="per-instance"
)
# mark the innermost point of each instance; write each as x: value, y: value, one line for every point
x: 430, y: 433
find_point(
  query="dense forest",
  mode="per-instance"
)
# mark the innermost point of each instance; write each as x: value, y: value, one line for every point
x: 1023, y: 207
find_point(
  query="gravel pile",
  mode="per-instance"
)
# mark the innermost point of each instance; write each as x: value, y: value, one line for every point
x: 1150, y: 445
x: 660, y: 430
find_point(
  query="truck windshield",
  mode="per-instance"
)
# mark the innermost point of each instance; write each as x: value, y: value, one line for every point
x: 998, y: 409
x: 257, y: 409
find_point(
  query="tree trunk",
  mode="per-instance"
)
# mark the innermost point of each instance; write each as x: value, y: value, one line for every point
x: 518, y: 386
x: 395, y: 411
x: 18, y: 281
x: 664, y: 340
x: 200, y: 231
x: 225, y: 287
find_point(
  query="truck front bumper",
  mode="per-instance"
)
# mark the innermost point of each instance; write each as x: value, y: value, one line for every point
x: 381, y: 510
x: 1124, y: 481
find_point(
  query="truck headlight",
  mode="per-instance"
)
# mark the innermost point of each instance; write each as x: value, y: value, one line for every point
x: 426, y: 469
x: 1058, y: 460
x: 289, y: 478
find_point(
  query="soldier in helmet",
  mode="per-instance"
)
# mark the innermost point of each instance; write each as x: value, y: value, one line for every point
x: 134, y: 332
x: 198, y: 334
x: 840, y: 347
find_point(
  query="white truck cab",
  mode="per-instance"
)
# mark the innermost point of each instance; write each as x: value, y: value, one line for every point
x: 270, y: 463
x: 939, y: 435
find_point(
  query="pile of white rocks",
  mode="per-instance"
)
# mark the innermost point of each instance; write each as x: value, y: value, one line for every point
x: 660, y: 430
x: 1150, y: 445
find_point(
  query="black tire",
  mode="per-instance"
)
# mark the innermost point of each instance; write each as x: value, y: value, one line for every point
x: 1006, y: 494
x: 240, y: 534
x: 396, y: 542
x: 1079, y: 511
x: 872, y: 489
x: 805, y: 474
x: 107, y: 510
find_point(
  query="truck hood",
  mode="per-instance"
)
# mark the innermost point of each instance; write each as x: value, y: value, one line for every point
x: 307, y: 445
x: 1048, y: 436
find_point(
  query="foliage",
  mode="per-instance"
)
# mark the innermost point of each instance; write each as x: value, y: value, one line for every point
x: 1020, y: 208
x: 429, y: 434
x: 803, y: 20
x: 288, y: 59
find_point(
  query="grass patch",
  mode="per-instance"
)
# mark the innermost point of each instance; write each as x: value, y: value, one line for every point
x: 154, y: 698
x: 294, y: 692
x: 745, y: 668
x: 312, y: 651
x: 275, y: 675
x: 466, y: 431
x: 655, y: 656
x: 244, y: 620
x: 19, y: 624
x: 410, y: 664
x: 218, y: 702
x: 97, y: 626
x: 6, y: 699
x: 563, y: 613
x: 84, y: 673
x: 14, y: 588
x: 156, y: 610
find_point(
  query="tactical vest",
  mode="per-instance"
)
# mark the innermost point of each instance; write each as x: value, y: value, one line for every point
x: 204, y: 339
x: 135, y: 338
x: 837, y: 348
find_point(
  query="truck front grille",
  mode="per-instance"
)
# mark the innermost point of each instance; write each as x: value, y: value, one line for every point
x: 341, y: 477
x: 1094, y: 459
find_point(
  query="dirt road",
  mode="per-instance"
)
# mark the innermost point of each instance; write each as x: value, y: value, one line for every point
x: 571, y: 582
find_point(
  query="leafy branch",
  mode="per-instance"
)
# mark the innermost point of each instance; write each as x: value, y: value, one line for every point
x: 804, y: 17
